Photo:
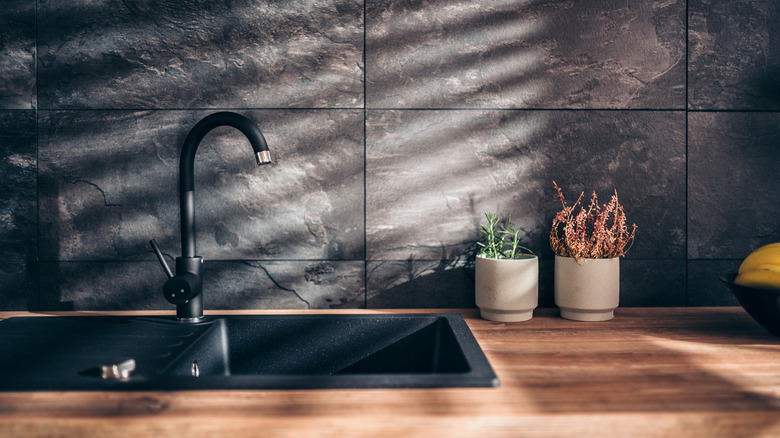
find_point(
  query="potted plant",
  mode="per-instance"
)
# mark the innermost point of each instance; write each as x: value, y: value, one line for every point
x: 507, y: 273
x: 588, y: 245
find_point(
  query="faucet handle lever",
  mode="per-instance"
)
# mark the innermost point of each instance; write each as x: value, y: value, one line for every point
x: 159, y: 255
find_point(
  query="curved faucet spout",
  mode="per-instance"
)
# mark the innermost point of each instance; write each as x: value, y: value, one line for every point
x: 187, y: 164
x: 225, y: 118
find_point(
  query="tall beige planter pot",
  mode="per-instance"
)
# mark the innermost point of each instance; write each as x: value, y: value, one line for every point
x: 507, y: 290
x: 588, y: 290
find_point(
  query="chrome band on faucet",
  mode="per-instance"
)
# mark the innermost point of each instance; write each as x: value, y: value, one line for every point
x: 263, y: 157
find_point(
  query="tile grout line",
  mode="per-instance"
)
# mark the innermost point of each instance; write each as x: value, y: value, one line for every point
x: 365, y: 164
x: 687, y: 156
x: 486, y: 109
x: 37, y: 287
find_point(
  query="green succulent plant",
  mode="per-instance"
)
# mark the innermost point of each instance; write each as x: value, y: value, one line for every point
x: 501, y: 241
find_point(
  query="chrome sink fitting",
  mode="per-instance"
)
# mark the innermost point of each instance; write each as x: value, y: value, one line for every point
x: 185, y: 289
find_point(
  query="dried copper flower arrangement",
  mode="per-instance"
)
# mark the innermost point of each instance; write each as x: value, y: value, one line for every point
x: 594, y: 232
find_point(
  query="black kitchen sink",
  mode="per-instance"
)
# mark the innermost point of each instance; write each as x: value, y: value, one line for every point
x: 241, y: 352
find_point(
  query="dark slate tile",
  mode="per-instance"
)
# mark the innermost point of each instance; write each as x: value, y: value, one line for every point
x: 431, y: 175
x: 420, y: 284
x: 652, y: 283
x: 704, y: 285
x: 102, y: 286
x: 732, y: 189
x: 227, y: 285
x: 733, y: 58
x: 109, y: 183
x: 17, y: 59
x: 173, y: 54
x: 284, y: 285
x: 18, y: 287
x: 18, y: 162
x: 584, y: 54
x: 547, y: 283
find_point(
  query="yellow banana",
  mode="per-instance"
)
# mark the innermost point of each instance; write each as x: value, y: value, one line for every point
x: 775, y: 268
x: 759, y: 279
x: 768, y: 246
x: 766, y: 255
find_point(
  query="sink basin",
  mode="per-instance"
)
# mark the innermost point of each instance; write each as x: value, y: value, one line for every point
x: 243, y: 352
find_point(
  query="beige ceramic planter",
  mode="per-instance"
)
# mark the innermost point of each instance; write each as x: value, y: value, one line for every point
x: 588, y: 290
x: 507, y: 290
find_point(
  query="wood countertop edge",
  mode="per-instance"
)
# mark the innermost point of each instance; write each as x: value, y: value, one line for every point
x: 466, y: 312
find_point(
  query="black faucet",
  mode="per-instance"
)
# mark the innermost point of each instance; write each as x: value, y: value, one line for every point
x: 185, y: 288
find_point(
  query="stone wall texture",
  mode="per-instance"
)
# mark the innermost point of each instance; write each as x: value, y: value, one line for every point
x: 394, y: 126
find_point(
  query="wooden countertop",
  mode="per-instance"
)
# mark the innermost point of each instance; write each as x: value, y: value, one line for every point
x: 649, y: 372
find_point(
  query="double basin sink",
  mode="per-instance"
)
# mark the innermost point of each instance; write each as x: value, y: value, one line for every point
x: 241, y: 352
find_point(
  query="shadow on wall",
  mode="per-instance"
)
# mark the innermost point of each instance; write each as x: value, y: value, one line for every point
x: 518, y: 54
x: 445, y: 55
x: 200, y: 54
x: 421, y: 284
x: 767, y: 86
x: 18, y: 248
x: 108, y: 177
x: 300, y: 209
x: 431, y: 174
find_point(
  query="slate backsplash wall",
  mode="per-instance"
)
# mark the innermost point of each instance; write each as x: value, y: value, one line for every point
x: 394, y: 125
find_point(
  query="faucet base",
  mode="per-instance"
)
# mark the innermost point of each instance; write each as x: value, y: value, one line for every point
x: 192, y: 308
x: 189, y: 319
x: 191, y: 311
